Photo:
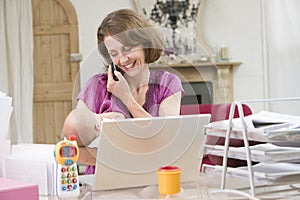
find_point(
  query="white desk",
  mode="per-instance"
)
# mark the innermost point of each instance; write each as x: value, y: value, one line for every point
x: 205, y: 189
x: 280, y: 191
x: 189, y: 191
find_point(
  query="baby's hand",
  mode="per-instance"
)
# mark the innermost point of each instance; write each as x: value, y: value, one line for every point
x: 109, y: 115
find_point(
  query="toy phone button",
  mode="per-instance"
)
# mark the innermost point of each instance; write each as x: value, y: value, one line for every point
x: 63, y: 188
x: 69, y: 162
x: 69, y: 187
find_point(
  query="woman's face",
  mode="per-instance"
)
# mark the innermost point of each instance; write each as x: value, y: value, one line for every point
x: 129, y: 59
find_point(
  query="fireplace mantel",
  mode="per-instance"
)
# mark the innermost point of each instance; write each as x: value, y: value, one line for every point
x: 220, y: 74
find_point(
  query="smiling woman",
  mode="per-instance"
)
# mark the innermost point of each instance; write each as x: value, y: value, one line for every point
x: 135, y: 31
x: 127, y: 40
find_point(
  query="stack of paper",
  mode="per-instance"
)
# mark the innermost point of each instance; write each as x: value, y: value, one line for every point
x: 263, y: 172
x: 5, y: 113
x: 264, y: 126
x: 268, y: 153
x: 33, y: 163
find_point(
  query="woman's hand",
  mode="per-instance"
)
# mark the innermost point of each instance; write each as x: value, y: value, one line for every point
x: 120, y: 88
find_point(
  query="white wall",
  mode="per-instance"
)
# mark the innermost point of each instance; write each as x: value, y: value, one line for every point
x: 235, y: 23
x: 238, y: 24
x: 90, y: 14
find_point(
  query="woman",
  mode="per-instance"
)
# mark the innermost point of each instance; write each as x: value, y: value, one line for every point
x: 127, y: 40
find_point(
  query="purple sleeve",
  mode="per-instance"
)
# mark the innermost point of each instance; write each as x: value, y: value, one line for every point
x: 162, y: 85
x: 170, y: 84
x: 92, y: 91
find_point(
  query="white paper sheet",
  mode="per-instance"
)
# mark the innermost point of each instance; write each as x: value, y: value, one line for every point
x: 5, y: 114
x: 274, y: 170
x: 260, y: 153
x: 29, y: 171
x: 266, y: 172
x: 6, y: 110
x: 33, y: 163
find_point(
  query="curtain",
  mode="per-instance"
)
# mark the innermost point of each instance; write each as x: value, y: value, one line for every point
x: 283, y: 52
x: 16, y: 62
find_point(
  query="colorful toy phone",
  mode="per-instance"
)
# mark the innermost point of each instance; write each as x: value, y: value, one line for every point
x: 66, y: 156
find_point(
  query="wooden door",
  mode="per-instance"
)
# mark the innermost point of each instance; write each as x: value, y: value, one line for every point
x: 55, y: 76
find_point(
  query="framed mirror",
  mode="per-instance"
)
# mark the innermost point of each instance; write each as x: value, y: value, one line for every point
x: 184, y: 21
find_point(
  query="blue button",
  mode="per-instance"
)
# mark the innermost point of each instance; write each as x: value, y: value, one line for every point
x: 74, y: 187
x: 63, y: 188
x: 69, y: 162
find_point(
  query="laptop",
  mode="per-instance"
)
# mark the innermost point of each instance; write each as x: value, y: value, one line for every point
x: 131, y: 150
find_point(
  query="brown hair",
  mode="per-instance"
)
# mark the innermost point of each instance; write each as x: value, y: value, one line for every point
x: 130, y: 29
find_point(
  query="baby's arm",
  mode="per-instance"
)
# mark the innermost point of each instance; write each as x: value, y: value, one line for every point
x: 84, y: 138
x: 110, y: 115
x: 86, y: 128
x: 73, y: 126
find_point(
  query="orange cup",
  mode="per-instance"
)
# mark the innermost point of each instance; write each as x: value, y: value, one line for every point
x: 169, y: 180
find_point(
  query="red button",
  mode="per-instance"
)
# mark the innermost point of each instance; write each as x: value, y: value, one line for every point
x: 72, y: 137
x: 69, y: 187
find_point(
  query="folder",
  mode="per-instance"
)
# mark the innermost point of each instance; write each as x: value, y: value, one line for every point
x: 12, y: 189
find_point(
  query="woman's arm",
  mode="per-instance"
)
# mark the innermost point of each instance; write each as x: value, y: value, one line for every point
x: 136, y: 110
x: 87, y: 156
x: 171, y: 105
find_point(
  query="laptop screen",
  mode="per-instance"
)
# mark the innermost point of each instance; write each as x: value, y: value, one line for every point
x: 131, y: 150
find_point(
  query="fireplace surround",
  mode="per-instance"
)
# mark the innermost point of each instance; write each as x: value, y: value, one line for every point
x: 217, y: 77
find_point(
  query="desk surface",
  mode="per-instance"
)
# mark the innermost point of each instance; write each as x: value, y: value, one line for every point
x: 206, y: 188
x: 188, y: 191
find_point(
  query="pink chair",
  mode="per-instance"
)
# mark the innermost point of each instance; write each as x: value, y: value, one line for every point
x: 218, y: 112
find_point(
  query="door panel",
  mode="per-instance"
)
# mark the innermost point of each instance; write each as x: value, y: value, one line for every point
x: 55, y: 76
